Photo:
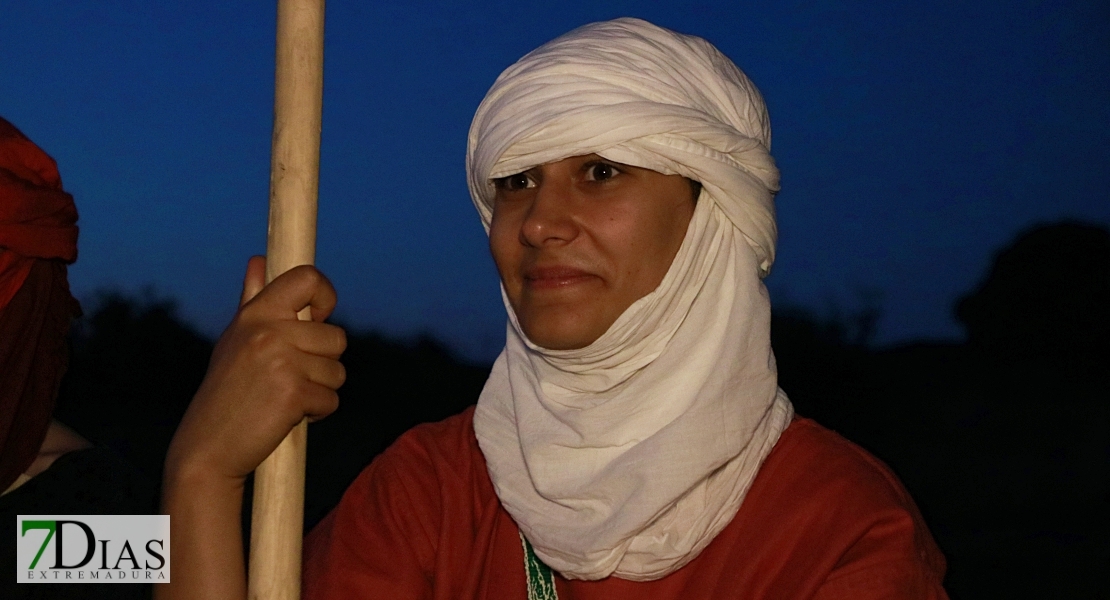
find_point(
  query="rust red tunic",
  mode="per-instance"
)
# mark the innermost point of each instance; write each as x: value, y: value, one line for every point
x: 823, y: 519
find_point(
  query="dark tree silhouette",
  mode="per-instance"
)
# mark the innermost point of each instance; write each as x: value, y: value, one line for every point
x: 1048, y: 294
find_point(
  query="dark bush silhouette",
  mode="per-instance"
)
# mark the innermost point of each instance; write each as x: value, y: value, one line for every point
x: 134, y: 366
x: 391, y: 386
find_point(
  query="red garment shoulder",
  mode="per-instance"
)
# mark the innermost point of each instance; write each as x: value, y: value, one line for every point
x: 823, y: 519
x: 835, y: 521
x: 399, y: 525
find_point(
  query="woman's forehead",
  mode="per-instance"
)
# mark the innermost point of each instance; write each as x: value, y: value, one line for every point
x: 585, y: 159
x: 582, y: 159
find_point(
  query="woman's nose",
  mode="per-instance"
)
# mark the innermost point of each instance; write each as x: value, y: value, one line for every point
x: 550, y: 218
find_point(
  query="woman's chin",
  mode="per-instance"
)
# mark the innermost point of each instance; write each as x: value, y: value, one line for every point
x: 567, y: 333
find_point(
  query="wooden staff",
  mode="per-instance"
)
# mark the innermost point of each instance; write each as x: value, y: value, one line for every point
x: 278, y: 515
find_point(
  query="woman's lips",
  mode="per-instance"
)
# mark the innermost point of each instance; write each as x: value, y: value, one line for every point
x: 548, y: 278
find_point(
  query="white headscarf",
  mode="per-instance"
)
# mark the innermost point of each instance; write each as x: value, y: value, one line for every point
x: 628, y: 456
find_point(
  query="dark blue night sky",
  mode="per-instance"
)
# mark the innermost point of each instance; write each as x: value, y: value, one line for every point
x: 915, y: 139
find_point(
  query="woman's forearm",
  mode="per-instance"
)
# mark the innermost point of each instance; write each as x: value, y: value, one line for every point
x: 269, y: 371
x: 206, y: 545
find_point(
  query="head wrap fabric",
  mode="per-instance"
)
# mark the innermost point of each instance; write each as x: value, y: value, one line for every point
x: 641, y: 95
x: 37, y: 218
x: 628, y: 456
x: 38, y: 236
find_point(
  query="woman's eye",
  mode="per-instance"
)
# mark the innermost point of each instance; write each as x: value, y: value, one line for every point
x: 519, y: 181
x: 601, y: 172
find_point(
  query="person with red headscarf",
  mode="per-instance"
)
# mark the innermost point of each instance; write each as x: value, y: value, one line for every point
x: 38, y: 238
x: 45, y: 467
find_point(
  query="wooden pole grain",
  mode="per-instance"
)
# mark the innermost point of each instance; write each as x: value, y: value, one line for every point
x: 278, y: 511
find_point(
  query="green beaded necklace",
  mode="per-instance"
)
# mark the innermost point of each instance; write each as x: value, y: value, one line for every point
x: 541, y: 581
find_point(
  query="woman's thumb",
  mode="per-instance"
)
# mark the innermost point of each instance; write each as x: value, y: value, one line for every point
x: 254, y: 280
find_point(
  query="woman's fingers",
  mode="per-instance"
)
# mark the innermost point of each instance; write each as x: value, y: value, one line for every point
x: 327, y: 372
x: 320, y: 339
x: 293, y: 290
x: 319, y: 401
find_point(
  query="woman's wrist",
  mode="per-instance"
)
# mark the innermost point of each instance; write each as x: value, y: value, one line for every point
x: 198, y: 477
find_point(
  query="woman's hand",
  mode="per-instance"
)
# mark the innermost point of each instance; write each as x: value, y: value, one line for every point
x: 268, y: 371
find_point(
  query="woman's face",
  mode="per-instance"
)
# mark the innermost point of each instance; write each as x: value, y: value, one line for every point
x: 577, y: 241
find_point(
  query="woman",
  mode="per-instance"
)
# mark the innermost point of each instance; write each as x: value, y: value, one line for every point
x: 631, y: 440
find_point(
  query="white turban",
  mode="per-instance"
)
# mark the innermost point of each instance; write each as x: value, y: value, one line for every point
x: 628, y: 456
x: 637, y: 94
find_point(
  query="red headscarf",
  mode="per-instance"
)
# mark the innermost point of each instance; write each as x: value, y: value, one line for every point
x: 38, y: 237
